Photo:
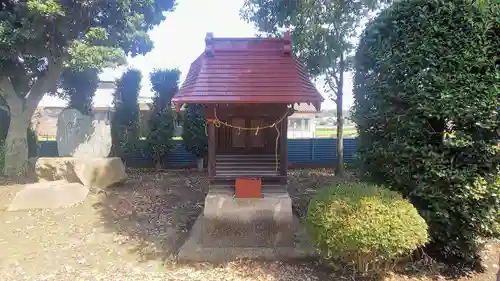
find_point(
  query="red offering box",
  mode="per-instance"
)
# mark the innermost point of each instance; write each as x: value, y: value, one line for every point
x: 248, y: 188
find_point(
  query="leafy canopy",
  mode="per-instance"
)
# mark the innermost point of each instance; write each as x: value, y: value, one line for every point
x: 81, y: 34
x: 322, y: 33
x: 321, y: 30
x: 426, y: 108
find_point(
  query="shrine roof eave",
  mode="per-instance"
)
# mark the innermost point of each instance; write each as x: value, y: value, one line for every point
x: 179, y: 101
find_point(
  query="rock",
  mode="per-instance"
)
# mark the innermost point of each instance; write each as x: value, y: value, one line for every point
x: 83, y: 136
x: 48, y: 195
x: 102, y: 173
x: 91, y: 172
x: 56, y: 168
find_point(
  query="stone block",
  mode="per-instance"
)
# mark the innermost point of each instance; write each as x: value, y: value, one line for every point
x: 80, y: 135
x: 48, y: 195
x: 252, y: 222
x: 55, y: 168
x: 91, y: 172
x: 102, y: 173
x: 194, y: 250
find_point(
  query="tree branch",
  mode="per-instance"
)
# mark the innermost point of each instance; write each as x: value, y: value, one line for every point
x: 328, y: 82
x: 6, y: 87
x: 333, y: 82
x: 9, y: 94
x: 43, y: 84
x: 5, y: 108
x: 332, y: 86
x: 333, y: 74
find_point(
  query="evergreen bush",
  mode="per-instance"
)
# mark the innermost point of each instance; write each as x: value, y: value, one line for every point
x: 161, y: 132
x: 194, y: 135
x: 125, y: 120
x: 161, y: 122
x: 79, y: 87
x: 426, y: 109
x: 364, y: 225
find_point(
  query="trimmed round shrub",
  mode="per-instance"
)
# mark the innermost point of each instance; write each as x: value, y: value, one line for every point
x: 426, y: 109
x: 364, y: 224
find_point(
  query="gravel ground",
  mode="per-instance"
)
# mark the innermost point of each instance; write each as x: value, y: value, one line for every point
x: 134, y: 231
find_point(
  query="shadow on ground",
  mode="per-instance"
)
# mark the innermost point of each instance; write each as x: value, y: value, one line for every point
x: 158, y: 209
x: 154, y: 209
x: 152, y: 213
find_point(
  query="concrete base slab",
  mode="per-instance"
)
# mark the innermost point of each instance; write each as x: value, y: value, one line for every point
x: 247, y: 222
x: 48, y: 195
x: 194, y: 249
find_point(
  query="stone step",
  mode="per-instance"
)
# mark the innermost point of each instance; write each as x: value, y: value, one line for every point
x: 245, y: 156
x: 262, y: 177
x: 269, y: 168
x: 266, y: 188
x: 244, y: 163
x: 246, y: 173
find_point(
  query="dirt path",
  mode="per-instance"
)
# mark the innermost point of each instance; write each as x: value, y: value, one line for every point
x: 133, y: 233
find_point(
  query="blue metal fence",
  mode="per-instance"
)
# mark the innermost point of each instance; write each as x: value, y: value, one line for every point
x: 301, y: 152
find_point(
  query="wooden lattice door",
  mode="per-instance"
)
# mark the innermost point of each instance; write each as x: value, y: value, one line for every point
x: 247, y: 141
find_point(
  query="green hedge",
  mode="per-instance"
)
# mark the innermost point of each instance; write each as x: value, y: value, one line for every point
x: 365, y: 225
x: 426, y: 109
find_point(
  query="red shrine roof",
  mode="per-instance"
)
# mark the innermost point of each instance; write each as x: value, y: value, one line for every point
x: 247, y: 70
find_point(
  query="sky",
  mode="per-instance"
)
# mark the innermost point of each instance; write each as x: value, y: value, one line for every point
x: 181, y: 38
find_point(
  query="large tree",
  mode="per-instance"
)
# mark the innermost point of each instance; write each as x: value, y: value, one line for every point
x: 39, y: 38
x: 322, y: 33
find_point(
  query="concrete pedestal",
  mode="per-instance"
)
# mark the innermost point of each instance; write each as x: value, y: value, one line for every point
x: 231, y: 228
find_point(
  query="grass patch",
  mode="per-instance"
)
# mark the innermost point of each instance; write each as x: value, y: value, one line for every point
x: 332, y: 133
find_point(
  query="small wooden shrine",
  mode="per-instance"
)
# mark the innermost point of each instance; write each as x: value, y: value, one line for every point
x: 248, y: 87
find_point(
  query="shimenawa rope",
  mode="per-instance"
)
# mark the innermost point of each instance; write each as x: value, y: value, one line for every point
x: 217, y: 123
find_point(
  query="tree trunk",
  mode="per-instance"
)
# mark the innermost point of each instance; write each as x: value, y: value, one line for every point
x: 21, y: 109
x: 498, y: 273
x: 16, y: 156
x: 340, y: 121
x: 199, y: 164
x: 16, y: 144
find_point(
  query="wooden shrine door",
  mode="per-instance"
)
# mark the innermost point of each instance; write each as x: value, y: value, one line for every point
x: 248, y: 141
